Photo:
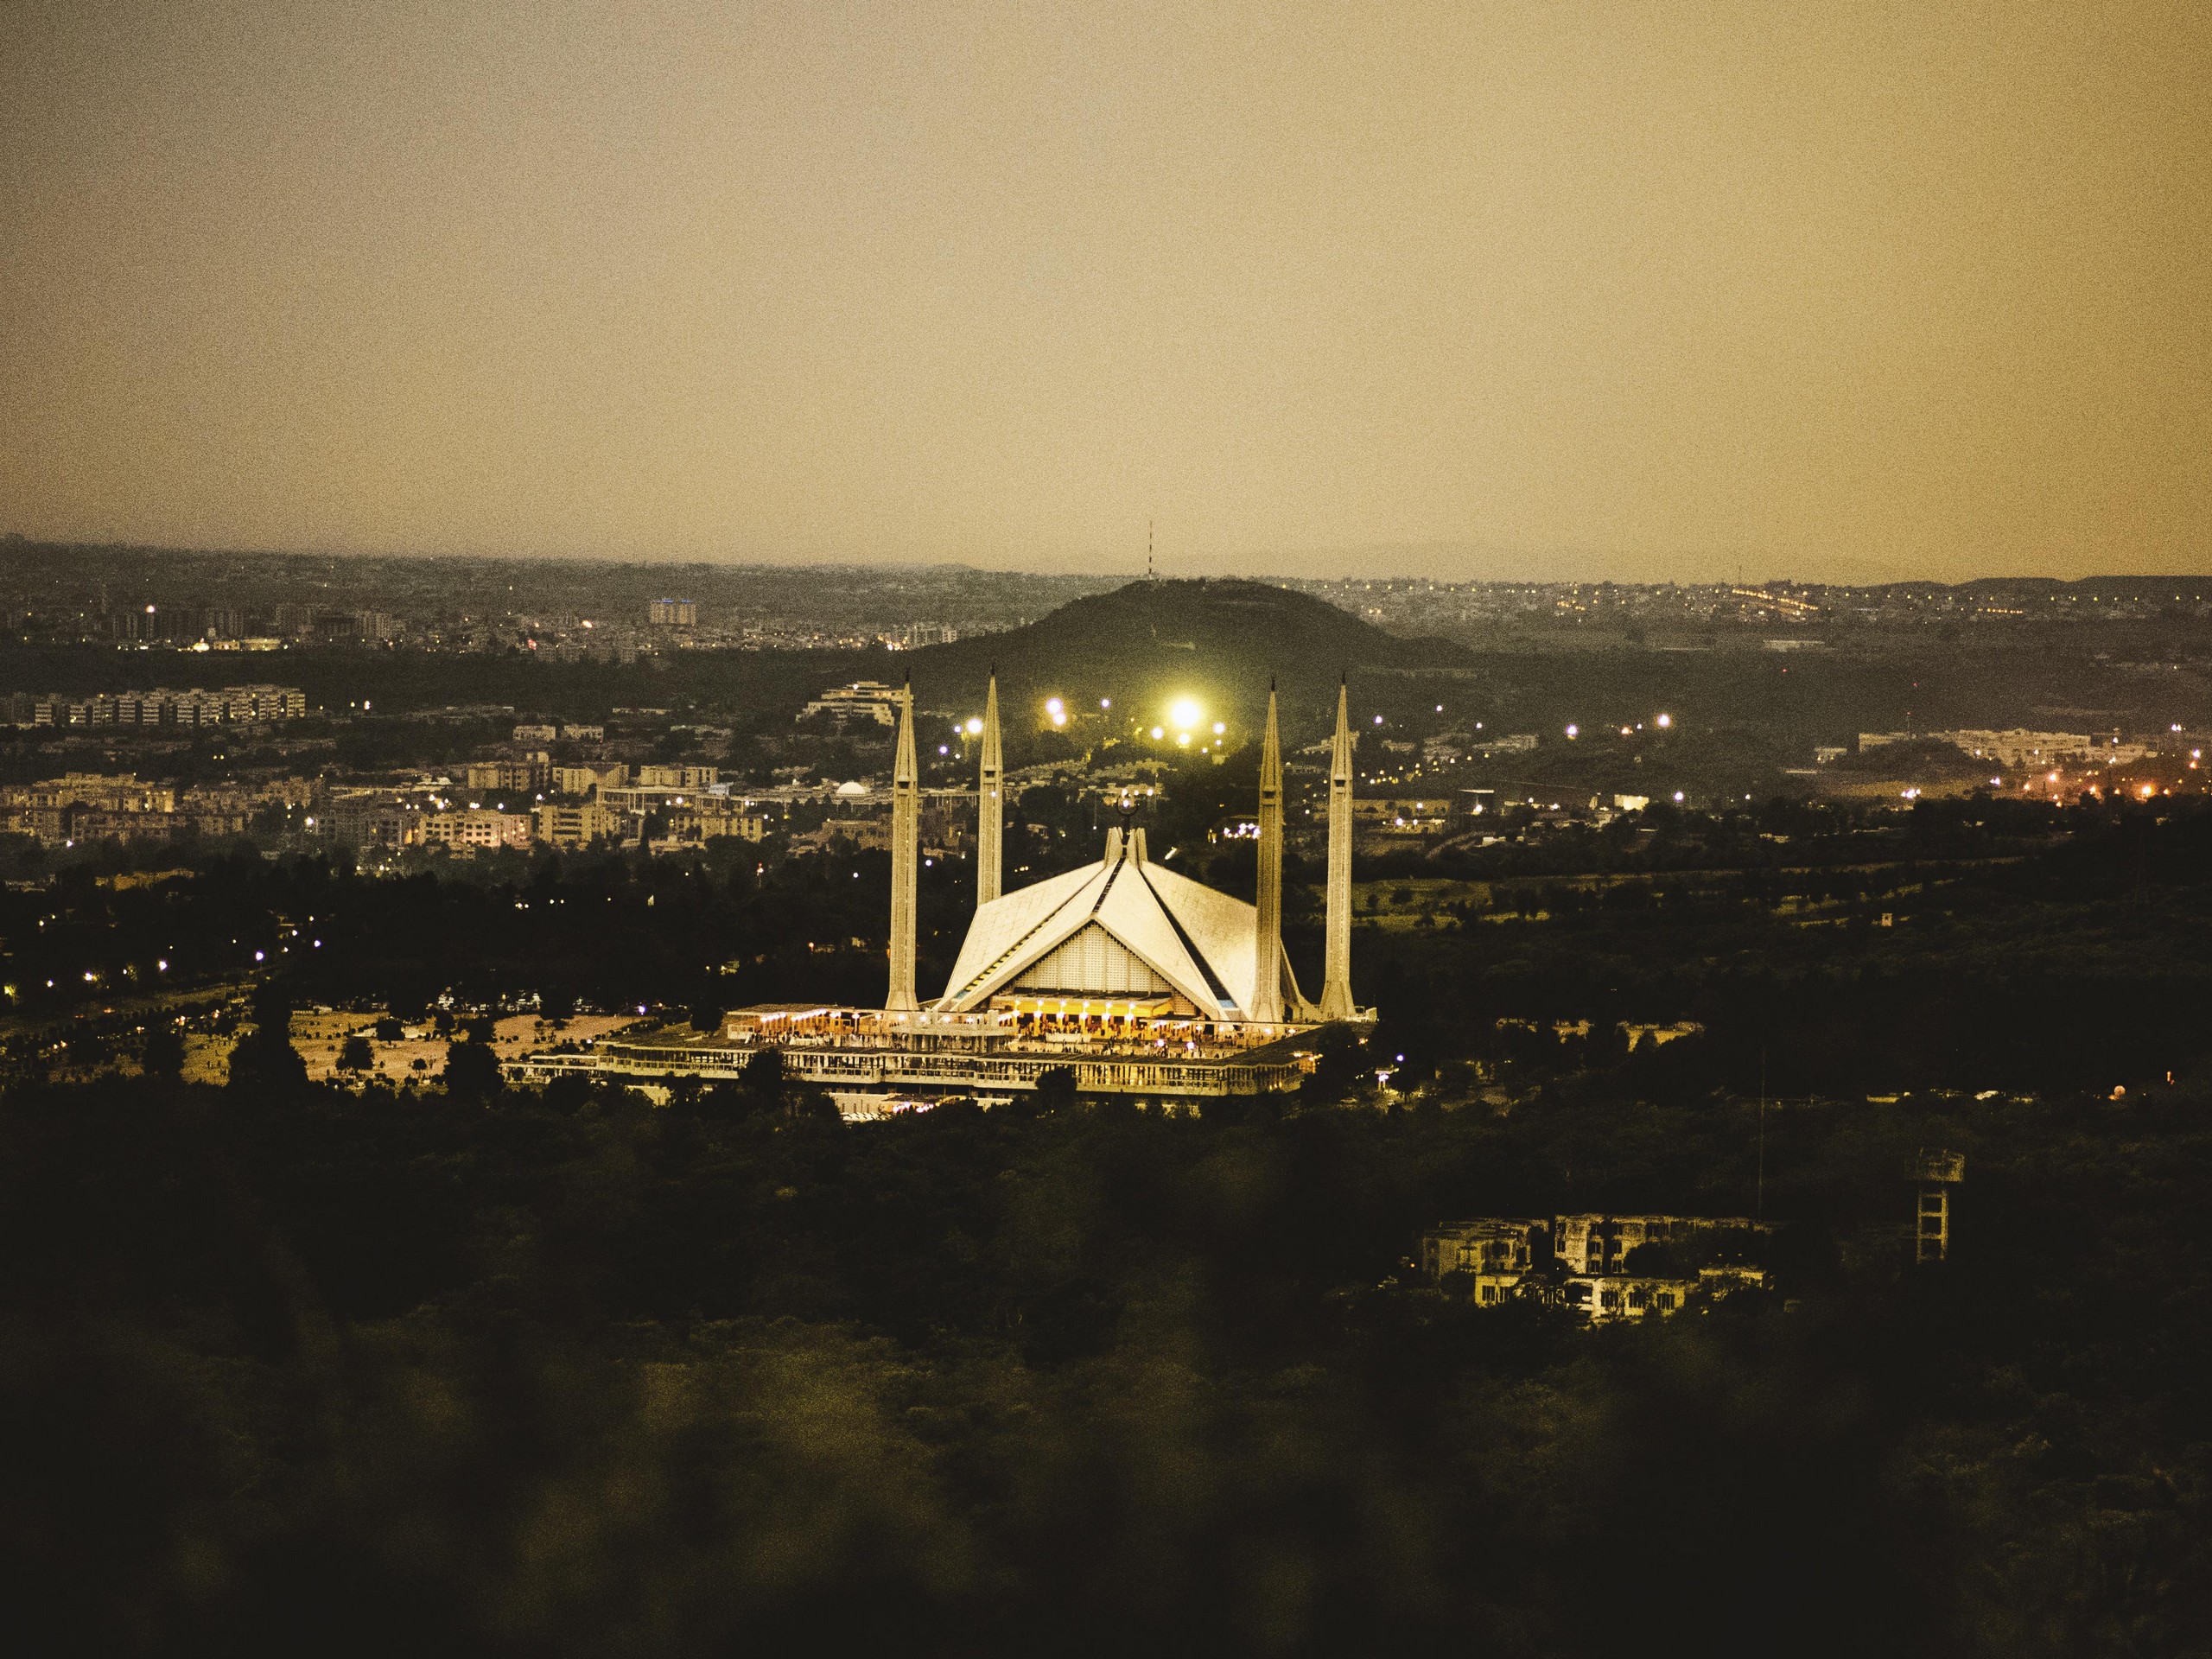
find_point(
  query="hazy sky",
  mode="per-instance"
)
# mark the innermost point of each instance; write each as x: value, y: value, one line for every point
x: 1630, y: 290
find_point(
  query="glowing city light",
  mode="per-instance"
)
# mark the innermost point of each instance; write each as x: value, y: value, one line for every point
x: 1186, y: 713
x: 1159, y: 732
x: 975, y: 726
x: 1664, y: 721
x: 1575, y: 731
x: 1218, y: 729
x: 1056, y: 710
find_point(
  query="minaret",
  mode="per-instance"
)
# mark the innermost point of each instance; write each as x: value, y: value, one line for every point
x: 990, y: 810
x: 1267, y: 943
x: 1335, y: 969
x: 905, y: 859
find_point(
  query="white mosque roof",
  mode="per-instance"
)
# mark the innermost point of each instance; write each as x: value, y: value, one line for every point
x: 1121, y: 927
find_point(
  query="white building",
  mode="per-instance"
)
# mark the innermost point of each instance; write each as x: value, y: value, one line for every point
x: 863, y: 700
x: 1135, y: 979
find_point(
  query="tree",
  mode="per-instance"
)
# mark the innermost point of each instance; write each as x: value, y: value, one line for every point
x: 356, y: 1055
x: 1056, y: 1087
x: 726, y: 1101
x: 164, y: 1054
x: 569, y: 1092
x: 810, y: 1102
x: 264, y: 1057
x: 472, y: 1071
x: 763, y: 1079
x: 1340, y: 1068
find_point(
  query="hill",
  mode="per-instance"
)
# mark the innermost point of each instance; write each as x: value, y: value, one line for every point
x: 1150, y: 643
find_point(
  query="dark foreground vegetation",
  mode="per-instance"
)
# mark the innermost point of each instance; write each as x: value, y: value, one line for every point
x: 470, y: 1370
x: 573, y: 1374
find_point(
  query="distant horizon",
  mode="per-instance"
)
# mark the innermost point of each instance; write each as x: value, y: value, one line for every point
x: 1248, y: 570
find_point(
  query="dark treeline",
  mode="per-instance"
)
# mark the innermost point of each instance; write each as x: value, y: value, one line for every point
x: 599, y: 930
x: 568, y: 1374
x: 398, y: 682
x: 2085, y: 964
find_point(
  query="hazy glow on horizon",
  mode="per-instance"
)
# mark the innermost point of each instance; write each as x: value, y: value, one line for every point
x: 1646, y: 292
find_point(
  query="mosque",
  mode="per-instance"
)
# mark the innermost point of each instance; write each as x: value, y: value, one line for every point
x: 1137, y: 979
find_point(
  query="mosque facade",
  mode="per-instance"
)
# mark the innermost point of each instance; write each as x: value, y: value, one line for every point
x: 1133, y: 977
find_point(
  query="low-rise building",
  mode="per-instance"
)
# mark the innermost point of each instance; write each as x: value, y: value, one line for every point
x: 2019, y: 749
x: 646, y: 797
x: 686, y: 778
x: 1603, y: 1243
x: 370, y: 822
x: 586, y: 780
x: 1597, y: 1264
x: 572, y: 824
x: 1496, y: 1251
x: 1386, y: 822
x: 862, y: 835
x: 490, y: 777
x: 120, y: 792
x: 162, y: 705
x: 718, y: 816
x: 867, y: 700
x: 476, y: 829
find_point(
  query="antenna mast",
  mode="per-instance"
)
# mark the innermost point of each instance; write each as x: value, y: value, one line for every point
x: 1150, y: 575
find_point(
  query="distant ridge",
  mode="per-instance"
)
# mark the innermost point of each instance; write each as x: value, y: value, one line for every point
x: 1222, y: 640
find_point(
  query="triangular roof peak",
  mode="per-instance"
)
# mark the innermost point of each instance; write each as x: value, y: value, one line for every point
x: 1125, y: 920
